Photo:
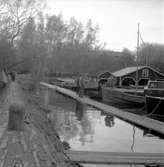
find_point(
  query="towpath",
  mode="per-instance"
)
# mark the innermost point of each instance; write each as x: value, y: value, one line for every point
x: 37, y: 145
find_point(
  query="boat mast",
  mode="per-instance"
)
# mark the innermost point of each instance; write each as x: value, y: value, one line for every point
x: 138, y: 33
x: 146, y: 57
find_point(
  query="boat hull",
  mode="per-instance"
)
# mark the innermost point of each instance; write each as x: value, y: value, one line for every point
x: 122, y: 99
x: 155, y: 105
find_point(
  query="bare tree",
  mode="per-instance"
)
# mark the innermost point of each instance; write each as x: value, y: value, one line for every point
x: 75, y: 32
x: 91, y: 41
x: 15, y: 15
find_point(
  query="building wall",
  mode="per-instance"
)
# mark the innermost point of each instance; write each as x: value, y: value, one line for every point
x: 145, y: 73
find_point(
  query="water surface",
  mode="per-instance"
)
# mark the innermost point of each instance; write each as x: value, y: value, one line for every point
x: 89, y: 129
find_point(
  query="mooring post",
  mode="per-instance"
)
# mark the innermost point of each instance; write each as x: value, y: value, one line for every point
x: 46, y: 97
x: 16, y: 117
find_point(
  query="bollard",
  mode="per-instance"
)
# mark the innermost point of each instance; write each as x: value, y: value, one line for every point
x: 46, y: 97
x: 16, y: 117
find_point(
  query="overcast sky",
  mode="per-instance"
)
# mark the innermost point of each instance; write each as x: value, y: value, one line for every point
x: 117, y: 19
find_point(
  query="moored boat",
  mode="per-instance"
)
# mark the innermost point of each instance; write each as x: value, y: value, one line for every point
x: 154, y: 93
x: 129, y: 98
x: 125, y: 87
x: 155, y: 105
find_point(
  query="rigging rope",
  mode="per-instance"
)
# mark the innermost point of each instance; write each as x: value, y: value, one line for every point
x: 132, y: 146
x: 141, y: 38
x: 154, y: 109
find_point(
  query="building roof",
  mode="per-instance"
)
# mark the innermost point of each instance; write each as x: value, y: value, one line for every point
x: 105, y: 74
x: 129, y: 70
x: 126, y: 71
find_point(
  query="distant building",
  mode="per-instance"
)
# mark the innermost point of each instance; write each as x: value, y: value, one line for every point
x: 103, y: 77
x: 127, y: 76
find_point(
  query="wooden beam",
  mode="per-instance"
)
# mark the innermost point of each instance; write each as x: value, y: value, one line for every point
x: 130, y: 117
x: 116, y: 158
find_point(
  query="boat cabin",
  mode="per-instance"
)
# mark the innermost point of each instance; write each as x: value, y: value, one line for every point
x: 155, y: 88
x: 154, y: 93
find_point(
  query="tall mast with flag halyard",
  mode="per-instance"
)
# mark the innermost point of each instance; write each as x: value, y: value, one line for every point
x: 138, y: 33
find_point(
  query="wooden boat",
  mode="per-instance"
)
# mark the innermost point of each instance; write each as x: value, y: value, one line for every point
x: 155, y: 105
x: 155, y: 98
x: 71, y: 83
x: 133, y: 96
x: 120, y: 97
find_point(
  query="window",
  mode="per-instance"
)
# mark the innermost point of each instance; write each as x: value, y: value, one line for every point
x: 145, y: 73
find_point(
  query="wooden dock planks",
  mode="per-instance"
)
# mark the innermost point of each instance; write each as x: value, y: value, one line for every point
x: 130, y: 117
x: 91, y: 157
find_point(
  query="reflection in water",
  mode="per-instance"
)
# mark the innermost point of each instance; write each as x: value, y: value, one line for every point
x: 79, y: 110
x: 147, y: 133
x: 132, y: 146
x: 109, y: 121
x: 151, y: 133
x: 85, y: 128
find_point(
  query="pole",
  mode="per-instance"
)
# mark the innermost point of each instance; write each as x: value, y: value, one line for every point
x: 138, y: 33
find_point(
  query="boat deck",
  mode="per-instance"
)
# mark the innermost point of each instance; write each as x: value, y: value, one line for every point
x: 132, y: 90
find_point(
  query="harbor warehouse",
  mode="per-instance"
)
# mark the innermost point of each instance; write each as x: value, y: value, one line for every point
x: 127, y: 76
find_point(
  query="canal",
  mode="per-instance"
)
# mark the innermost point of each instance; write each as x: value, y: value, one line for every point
x: 89, y: 129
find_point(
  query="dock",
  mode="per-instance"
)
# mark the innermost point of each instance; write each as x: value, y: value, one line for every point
x: 142, y: 121
x: 116, y: 158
